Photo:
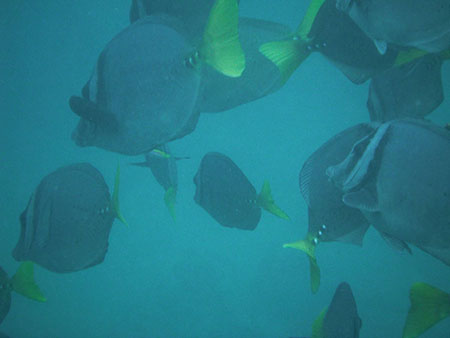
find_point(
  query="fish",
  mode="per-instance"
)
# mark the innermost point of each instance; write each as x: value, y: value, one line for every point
x: 429, y: 305
x: 3, y: 335
x: 164, y: 169
x: 144, y: 89
x: 329, y: 219
x: 411, y: 90
x: 66, y: 224
x: 340, y: 319
x: 226, y: 194
x: 22, y: 283
x: 398, y: 177
x: 408, y: 23
x: 327, y: 30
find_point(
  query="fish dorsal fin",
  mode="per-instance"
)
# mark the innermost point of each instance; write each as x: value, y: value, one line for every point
x: 115, y: 197
x: 305, y: 26
x: 395, y: 243
x: 265, y: 201
x: 23, y: 283
x: 221, y: 48
x: 429, y: 305
x: 317, y: 327
x: 170, y: 199
x: 362, y: 199
x: 381, y: 46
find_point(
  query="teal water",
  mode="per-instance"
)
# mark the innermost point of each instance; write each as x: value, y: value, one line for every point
x: 192, y: 278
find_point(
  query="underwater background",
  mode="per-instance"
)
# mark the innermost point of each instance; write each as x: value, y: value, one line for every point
x: 192, y: 277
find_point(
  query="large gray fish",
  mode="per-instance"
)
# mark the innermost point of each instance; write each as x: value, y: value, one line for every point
x: 399, y: 178
x: 329, y: 219
x: 67, y: 222
x: 411, y: 90
x: 413, y: 23
x: 164, y: 168
x: 23, y: 283
x: 144, y: 88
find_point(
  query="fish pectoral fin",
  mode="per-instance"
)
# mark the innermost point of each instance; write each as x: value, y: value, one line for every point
x: 265, y: 201
x: 287, y: 55
x: 115, y: 197
x: 396, y: 243
x: 23, y: 283
x: 381, y: 46
x: 362, y: 199
x: 221, y: 48
x: 429, y: 305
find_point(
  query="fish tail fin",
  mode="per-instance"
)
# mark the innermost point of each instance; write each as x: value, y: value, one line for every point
x: 308, y: 246
x: 429, y: 305
x: 287, y: 55
x: 405, y: 56
x: 221, y: 48
x: 115, y: 197
x: 317, y: 327
x: 170, y: 199
x: 23, y: 282
x: 305, y: 26
x: 266, y: 202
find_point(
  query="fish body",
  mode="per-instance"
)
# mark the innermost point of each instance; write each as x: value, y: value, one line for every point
x: 67, y: 222
x: 399, y: 178
x: 5, y: 294
x: 143, y: 84
x: 412, y: 23
x: 410, y: 90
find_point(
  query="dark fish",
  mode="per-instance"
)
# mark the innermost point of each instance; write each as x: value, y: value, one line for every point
x: 341, y: 319
x: 224, y: 191
x: 67, y: 222
x: 429, y: 305
x: 23, y: 283
x: 164, y: 169
x: 329, y: 219
x: 326, y: 30
x: 411, y: 90
x: 399, y: 178
x: 413, y: 23
x: 3, y: 335
x: 145, y: 86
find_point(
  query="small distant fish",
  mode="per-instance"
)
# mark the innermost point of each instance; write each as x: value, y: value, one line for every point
x: 67, y: 222
x: 429, y: 305
x: 398, y: 178
x: 23, y: 283
x: 413, y: 23
x: 164, y: 168
x: 224, y: 191
x: 144, y: 89
x: 329, y: 219
x: 413, y: 89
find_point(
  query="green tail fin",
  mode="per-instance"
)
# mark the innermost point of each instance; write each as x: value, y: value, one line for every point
x: 317, y: 327
x: 115, y: 197
x: 221, y: 48
x: 170, y: 198
x: 23, y: 282
x: 408, y: 56
x: 429, y: 305
x: 308, y: 20
x: 266, y: 202
x: 308, y: 246
x: 287, y: 55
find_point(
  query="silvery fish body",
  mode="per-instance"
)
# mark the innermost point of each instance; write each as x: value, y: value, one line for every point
x: 67, y: 222
x: 324, y: 199
x: 142, y: 92
x: 411, y: 90
x: 413, y: 23
x: 342, y: 319
x: 399, y: 178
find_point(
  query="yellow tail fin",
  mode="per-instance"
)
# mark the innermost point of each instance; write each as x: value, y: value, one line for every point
x: 305, y: 26
x: 308, y: 246
x: 408, y: 56
x: 317, y: 327
x: 170, y: 199
x: 429, y: 305
x: 221, y: 48
x: 23, y: 282
x: 115, y: 197
x: 265, y: 201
